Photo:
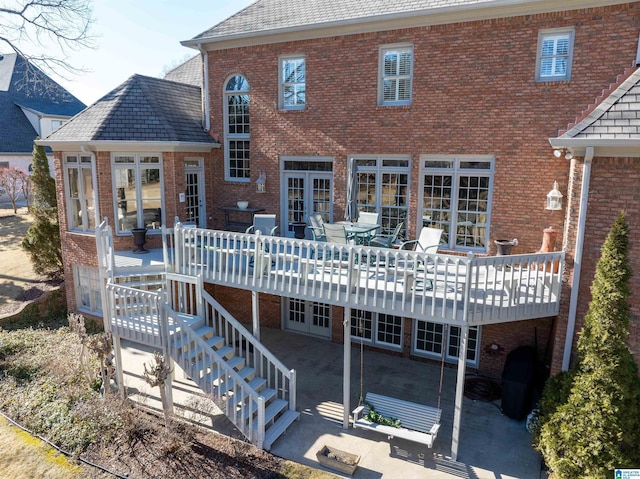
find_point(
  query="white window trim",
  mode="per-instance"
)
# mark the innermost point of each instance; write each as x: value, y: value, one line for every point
x: 454, y: 172
x: 445, y: 345
x: 233, y: 136
x: 381, y: 75
x: 67, y: 191
x: 542, y: 34
x: 281, y: 82
x: 137, y: 166
x: 374, y: 334
x: 94, y: 309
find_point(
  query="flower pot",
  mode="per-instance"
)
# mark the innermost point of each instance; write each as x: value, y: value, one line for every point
x: 139, y: 239
x: 504, y: 246
x: 298, y: 230
x: 338, y: 460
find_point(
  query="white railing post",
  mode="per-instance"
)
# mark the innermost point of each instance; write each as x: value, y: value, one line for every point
x: 261, y: 422
x: 292, y: 390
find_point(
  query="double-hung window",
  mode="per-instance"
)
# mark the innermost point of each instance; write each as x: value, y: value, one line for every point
x: 80, y: 192
x: 237, y: 152
x: 293, y: 77
x: 137, y: 191
x: 456, y: 197
x: 395, y: 75
x: 87, y: 289
x: 554, y: 56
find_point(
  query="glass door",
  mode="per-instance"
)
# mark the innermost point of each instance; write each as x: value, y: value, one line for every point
x: 194, y: 193
x: 307, y: 189
x: 308, y: 317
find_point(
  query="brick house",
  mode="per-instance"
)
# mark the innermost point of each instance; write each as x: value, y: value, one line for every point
x: 449, y: 114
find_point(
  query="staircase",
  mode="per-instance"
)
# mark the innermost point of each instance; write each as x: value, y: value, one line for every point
x: 249, y: 384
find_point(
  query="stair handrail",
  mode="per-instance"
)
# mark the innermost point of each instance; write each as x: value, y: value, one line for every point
x: 238, y: 380
x: 245, y: 334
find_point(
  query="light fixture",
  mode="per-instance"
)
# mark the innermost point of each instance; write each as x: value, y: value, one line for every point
x: 568, y: 153
x: 554, y: 198
x: 261, y: 182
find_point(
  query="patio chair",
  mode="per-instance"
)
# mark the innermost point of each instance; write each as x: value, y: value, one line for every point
x: 368, y: 218
x: 385, y: 240
x: 266, y: 224
x: 335, y: 233
x: 427, y: 242
x: 316, y: 223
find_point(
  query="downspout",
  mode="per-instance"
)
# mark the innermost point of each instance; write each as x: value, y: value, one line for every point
x: 205, y: 93
x: 577, y: 264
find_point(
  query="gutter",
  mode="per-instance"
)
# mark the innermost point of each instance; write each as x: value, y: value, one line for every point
x: 577, y: 264
x: 119, y: 146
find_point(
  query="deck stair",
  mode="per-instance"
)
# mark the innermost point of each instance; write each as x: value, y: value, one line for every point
x: 254, y: 389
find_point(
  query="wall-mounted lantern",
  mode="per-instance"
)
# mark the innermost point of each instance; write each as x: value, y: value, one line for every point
x: 554, y: 198
x: 261, y: 182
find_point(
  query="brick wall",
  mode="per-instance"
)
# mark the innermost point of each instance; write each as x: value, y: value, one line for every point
x: 474, y: 92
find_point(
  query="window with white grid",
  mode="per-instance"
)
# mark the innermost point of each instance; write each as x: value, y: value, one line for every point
x: 293, y: 78
x: 362, y: 324
x: 432, y: 339
x: 554, y: 56
x: 87, y: 288
x: 383, y: 188
x: 377, y: 328
x: 395, y: 75
x: 80, y: 192
x: 237, y: 150
x: 456, y: 197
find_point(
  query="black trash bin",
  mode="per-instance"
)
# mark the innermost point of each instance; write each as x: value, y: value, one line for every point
x: 518, y: 378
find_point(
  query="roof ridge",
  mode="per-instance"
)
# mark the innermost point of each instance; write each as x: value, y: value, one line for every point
x: 598, y: 101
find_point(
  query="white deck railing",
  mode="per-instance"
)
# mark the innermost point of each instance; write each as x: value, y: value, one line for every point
x: 134, y: 314
x: 437, y: 287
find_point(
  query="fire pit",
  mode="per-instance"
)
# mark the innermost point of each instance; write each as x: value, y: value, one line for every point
x: 338, y: 460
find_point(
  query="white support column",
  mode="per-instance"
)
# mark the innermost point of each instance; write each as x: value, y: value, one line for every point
x: 255, y: 311
x: 346, y: 375
x: 117, y: 350
x: 457, y: 412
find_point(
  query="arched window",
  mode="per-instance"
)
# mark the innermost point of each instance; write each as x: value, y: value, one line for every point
x: 237, y: 152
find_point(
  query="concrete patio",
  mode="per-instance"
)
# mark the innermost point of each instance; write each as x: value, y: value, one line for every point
x: 491, y: 445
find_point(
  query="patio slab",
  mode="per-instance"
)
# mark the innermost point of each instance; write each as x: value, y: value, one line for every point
x: 491, y: 445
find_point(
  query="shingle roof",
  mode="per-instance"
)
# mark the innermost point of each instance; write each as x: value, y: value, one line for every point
x: 26, y: 86
x: 617, y: 117
x: 190, y: 72
x: 141, y: 109
x: 268, y: 15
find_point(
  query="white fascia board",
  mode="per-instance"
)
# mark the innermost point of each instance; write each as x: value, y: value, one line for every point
x: 603, y: 147
x: 127, y: 146
x: 418, y: 18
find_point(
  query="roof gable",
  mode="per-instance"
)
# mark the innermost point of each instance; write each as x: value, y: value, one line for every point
x: 617, y: 117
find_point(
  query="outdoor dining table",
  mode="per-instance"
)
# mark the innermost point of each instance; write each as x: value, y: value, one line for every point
x: 360, y: 232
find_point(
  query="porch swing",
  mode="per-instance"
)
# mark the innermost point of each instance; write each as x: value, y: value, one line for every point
x: 397, y: 417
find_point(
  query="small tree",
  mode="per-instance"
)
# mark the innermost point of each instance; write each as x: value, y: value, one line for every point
x: 157, y: 375
x: 42, y: 241
x: 597, y: 429
x: 12, y: 182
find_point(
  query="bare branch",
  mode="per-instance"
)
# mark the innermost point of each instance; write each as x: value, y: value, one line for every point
x: 45, y: 32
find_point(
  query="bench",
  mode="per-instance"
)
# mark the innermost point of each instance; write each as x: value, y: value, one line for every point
x: 420, y: 423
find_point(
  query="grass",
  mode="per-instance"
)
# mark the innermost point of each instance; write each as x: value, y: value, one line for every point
x: 25, y: 456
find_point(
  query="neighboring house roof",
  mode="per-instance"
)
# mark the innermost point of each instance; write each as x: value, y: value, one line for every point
x: 142, y: 109
x: 23, y: 86
x: 276, y: 17
x: 613, y: 125
x: 190, y: 72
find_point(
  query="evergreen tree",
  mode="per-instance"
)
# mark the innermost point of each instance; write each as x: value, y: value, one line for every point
x: 598, y: 428
x: 42, y: 241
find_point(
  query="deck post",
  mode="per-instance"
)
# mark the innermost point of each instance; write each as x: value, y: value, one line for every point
x: 117, y: 350
x: 457, y: 412
x: 255, y: 311
x: 346, y: 378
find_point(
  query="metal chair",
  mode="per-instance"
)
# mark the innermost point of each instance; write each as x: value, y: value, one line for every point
x: 427, y: 242
x: 266, y: 224
x: 335, y: 233
x: 385, y: 240
x: 368, y: 218
x: 316, y: 225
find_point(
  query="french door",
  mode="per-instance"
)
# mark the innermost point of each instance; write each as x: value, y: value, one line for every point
x: 194, y: 192
x: 306, y: 188
x: 307, y: 317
